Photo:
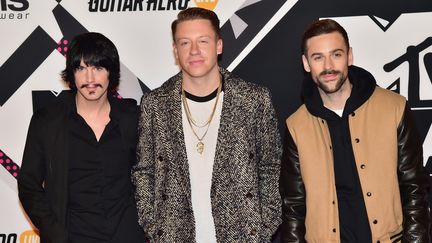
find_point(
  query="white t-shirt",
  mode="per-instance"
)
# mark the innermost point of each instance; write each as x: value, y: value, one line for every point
x: 201, y: 165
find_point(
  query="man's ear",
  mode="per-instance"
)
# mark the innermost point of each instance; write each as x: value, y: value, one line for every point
x: 175, y: 50
x: 305, y: 64
x: 350, y: 57
x: 219, y: 46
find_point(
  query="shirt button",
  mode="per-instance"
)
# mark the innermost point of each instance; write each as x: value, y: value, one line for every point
x: 253, y: 232
x: 362, y: 166
x: 249, y: 195
x: 369, y: 194
x: 160, y: 158
x: 357, y: 140
x: 375, y: 221
x: 334, y: 230
x: 353, y: 114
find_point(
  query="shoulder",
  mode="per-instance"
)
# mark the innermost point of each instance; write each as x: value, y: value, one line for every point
x: 236, y: 86
x: 52, y: 111
x: 298, y: 117
x: 386, y: 103
x: 299, y: 113
x: 127, y: 105
x: 165, y: 90
x: 49, y: 118
x: 381, y: 94
x: 383, y: 99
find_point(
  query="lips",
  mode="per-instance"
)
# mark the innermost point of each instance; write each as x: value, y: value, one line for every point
x: 329, y: 75
x: 196, y: 62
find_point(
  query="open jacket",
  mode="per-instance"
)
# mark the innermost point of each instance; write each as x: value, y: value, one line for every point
x: 245, y: 200
x: 388, y: 157
x: 43, y: 178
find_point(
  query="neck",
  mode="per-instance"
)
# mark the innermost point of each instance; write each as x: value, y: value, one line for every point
x: 201, y: 86
x: 336, y: 100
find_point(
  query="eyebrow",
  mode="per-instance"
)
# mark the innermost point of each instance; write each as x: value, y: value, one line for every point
x: 332, y: 51
x: 199, y: 37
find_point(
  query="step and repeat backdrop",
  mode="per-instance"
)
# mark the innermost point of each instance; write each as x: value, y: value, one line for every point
x: 391, y: 39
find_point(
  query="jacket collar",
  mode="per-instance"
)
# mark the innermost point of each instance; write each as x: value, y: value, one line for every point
x: 363, y: 85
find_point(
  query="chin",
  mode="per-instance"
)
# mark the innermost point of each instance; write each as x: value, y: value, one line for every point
x: 197, y: 74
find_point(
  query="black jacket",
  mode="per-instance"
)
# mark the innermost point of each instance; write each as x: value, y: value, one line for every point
x: 42, y: 182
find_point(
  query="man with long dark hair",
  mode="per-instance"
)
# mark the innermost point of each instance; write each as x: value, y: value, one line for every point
x: 75, y: 177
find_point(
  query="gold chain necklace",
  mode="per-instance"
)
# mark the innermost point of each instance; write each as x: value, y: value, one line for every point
x: 192, y: 123
x: 191, y: 120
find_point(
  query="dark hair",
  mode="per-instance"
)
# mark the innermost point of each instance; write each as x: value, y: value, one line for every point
x: 196, y: 13
x: 94, y: 49
x: 320, y: 27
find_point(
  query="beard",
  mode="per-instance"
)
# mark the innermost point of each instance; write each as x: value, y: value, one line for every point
x: 328, y: 89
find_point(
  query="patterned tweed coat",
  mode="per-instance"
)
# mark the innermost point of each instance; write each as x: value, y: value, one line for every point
x: 245, y: 198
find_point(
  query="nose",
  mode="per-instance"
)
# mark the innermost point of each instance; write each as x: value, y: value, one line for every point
x: 328, y: 63
x: 194, y: 48
x: 90, y: 75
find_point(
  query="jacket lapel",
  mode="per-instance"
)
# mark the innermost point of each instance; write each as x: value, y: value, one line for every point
x: 127, y: 118
x: 58, y: 158
x: 175, y: 128
x: 226, y: 131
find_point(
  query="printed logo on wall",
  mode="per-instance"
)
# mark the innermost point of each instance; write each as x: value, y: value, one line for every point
x: 418, y: 58
x: 28, y: 236
x: 207, y: 4
x: 151, y: 5
x: 138, y: 5
x: 14, y: 9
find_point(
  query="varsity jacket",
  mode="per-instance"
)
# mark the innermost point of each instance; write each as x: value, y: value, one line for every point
x: 388, y: 157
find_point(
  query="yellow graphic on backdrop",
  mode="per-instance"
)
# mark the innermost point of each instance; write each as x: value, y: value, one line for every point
x: 29, y: 236
x: 207, y: 4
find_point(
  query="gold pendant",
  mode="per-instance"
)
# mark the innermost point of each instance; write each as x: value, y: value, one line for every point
x: 200, y: 147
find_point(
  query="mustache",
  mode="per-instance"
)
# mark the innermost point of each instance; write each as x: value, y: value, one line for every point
x: 326, y: 72
x: 86, y: 85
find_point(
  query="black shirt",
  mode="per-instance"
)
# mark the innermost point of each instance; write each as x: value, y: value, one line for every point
x: 101, y: 206
x: 353, y: 220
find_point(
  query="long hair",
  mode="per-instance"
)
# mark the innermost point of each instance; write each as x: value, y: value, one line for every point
x: 94, y: 49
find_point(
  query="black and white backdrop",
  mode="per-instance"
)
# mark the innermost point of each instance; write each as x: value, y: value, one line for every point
x: 391, y: 39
